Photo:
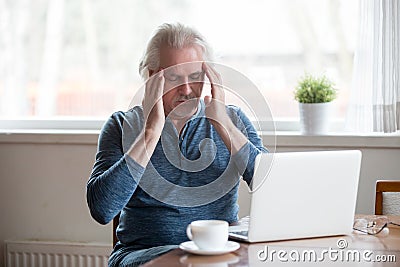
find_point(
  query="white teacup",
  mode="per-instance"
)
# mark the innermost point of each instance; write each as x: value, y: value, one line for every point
x: 208, y: 234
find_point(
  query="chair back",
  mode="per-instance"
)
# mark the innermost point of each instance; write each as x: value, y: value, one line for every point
x: 115, y: 225
x: 387, y: 197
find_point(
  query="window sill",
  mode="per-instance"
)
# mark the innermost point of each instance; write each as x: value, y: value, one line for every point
x: 23, y: 136
x: 284, y: 138
x: 348, y: 140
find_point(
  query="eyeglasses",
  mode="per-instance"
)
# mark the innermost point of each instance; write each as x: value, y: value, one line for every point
x: 372, y: 227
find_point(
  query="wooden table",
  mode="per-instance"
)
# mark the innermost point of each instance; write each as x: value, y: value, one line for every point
x: 384, y: 246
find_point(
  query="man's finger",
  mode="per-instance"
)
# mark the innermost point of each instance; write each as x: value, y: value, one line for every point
x: 213, y: 73
x: 207, y: 100
x: 214, y: 77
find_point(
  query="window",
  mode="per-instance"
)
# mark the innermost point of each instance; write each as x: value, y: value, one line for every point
x: 79, y: 58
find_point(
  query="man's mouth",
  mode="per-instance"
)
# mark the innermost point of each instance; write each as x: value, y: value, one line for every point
x: 182, y: 100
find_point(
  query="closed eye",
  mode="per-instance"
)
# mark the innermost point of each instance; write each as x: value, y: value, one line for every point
x: 196, y: 75
x: 172, y: 78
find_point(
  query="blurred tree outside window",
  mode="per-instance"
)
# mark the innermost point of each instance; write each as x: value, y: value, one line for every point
x: 79, y: 58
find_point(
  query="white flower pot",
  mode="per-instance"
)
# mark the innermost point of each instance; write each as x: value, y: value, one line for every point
x: 315, y: 118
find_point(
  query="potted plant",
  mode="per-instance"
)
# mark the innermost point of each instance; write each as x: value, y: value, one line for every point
x: 315, y: 96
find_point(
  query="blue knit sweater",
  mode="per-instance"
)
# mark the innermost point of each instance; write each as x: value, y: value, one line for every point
x: 191, y: 176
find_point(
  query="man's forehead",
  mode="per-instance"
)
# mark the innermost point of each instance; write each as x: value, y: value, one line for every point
x: 183, y: 59
x: 184, y: 68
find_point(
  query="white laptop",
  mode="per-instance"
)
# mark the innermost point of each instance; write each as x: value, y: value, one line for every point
x: 302, y: 195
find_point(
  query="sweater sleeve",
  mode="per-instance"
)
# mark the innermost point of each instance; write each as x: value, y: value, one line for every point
x: 115, y: 175
x: 245, y: 157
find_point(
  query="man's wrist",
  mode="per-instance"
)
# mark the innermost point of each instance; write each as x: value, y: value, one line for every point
x: 225, y: 124
x: 151, y: 135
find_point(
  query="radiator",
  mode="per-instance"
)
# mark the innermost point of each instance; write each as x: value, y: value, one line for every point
x: 55, y: 254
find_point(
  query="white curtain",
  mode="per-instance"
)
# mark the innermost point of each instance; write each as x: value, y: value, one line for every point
x: 375, y: 98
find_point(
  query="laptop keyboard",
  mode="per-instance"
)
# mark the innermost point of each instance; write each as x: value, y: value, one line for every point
x: 242, y: 233
x: 242, y: 228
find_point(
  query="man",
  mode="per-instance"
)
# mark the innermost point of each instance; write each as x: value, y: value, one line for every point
x: 174, y: 159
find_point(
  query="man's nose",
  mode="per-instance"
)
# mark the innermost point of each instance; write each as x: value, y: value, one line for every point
x: 185, y: 88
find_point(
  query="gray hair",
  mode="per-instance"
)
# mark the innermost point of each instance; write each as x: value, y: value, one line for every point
x: 173, y: 35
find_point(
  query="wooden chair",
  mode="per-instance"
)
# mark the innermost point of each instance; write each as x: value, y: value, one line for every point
x: 385, y: 186
x: 115, y: 225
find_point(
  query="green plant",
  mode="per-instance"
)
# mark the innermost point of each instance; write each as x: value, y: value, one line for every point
x: 311, y: 89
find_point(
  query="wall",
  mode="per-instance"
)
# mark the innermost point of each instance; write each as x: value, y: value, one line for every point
x: 43, y: 179
x: 42, y: 192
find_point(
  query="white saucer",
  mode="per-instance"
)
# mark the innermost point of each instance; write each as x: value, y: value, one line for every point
x: 191, y: 247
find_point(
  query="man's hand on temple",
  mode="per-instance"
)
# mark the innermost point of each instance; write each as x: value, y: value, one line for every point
x: 154, y: 118
x: 216, y: 112
x: 153, y: 109
x: 215, y: 104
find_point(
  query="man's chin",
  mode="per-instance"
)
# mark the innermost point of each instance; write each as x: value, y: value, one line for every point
x: 183, y: 110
